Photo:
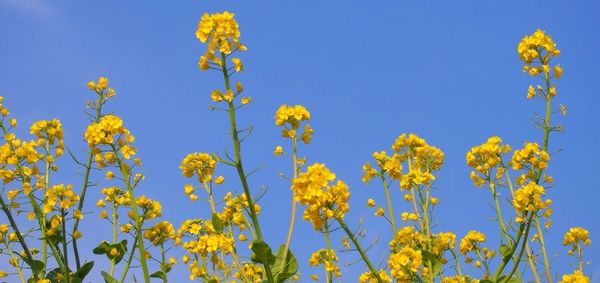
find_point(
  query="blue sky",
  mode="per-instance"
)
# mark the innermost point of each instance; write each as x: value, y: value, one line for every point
x: 447, y: 71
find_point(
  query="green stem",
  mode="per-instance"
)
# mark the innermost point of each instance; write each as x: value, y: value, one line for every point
x: 328, y: 274
x: 86, y: 178
x: 65, y: 246
x: 293, y: 212
x: 114, y: 238
x: 240, y: 167
x: 163, y: 265
x: 129, y: 260
x: 392, y: 216
x: 360, y: 249
x: 136, y: 216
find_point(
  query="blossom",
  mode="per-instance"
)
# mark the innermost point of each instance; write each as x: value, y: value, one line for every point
x: 201, y: 164
x: 324, y: 198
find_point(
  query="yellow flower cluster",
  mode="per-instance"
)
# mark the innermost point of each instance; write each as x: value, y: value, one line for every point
x: 115, y: 195
x: 471, y: 241
x: 3, y: 110
x: 486, y: 157
x: 101, y: 88
x: 104, y: 132
x: 529, y: 198
x: 290, y: 118
x: 222, y: 32
x: 64, y: 195
x: 368, y: 277
x: 205, y: 239
x: 150, y: 208
x: 315, y: 189
x: 233, y: 212
x: 160, y: 232
x: 50, y: 131
x: 252, y: 271
x: 531, y: 158
x: 459, y: 279
x: 576, y: 277
x: 202, y: 164
x: 532, y: 47
x: 404, y: 263
x: 575, y: 235
x: 407, y: 236
x: 328, y: 258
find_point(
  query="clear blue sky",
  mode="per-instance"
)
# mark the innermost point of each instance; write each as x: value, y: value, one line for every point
x: 447, y: 71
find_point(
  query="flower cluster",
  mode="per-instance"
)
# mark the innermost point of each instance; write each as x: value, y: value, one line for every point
x: 531, y: 158
x: 64, y: 195
x: 160, y: 232
x: 529, y: 198
x: 200, y: 239
x: 405, y: 263
x: 536, y: 45
x: 486, y: 157
x: 222, y: 33
x: 324, y: 199
x: 51, y: 132
x: 150, y: 208
x: 201, y: 164
x: 328, y: 258
x: 111, y: 132
x: 368, y: 277
x: 290, y: 118
x: 577, y: 235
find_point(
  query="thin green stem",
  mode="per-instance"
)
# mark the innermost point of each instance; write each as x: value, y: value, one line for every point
x: 328, y: 274
x: 391, y: 216
x: 136, y: 216
x: 288, y: 241
x: 358, y: 246
x: 129, y: 260
x: 86, y: 178
x: 240, y: 167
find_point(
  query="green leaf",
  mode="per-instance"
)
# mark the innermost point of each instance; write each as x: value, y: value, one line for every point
x: 108, y: 278
x: 434, y: 259
x: 504, y: 250
x: 121, y: 249
x: 158, y: 274
x: 102, y: 248
x: 284, y: 268
x: 486, y: 281
x: 37, y: 266
x: 261, y: 252
x: 216, y: 222
x: 82, y: 272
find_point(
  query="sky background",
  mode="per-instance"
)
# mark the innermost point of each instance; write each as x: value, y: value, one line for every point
x: 448, y: 71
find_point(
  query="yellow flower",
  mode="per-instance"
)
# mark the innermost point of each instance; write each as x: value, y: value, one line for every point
x: 221, y: 31
x: 575, y: 235
x: 219, y: 180
x: 323, y: 198
x: 368, y: 172
x: 77, y: 234
x: 371, y: 202
x: 558, y: 71
x: 405, y: 262
x: 160, y: 232
x: 576, y: 277
x: 534, y: 45
x: 237, y: 63
x: 201, y: 164
x: 379, y: 211
x: 471, y: 241
x: 246, y: 100
x: 486, y: 160
x: 529, y: 198
x: 278, y: 150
